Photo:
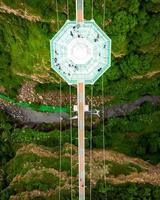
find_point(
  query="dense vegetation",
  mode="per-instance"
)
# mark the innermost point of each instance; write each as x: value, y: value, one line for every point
x: 134, y: 29
x: 126, y: 191
x: 136, y: 134
x: 132, y: 135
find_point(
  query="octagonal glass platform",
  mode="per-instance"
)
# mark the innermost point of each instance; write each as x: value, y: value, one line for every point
x: 80, y: 52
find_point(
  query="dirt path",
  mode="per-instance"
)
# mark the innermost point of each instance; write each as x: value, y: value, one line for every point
x: 152, y: 176
x: 116, y: 55
x: 120, y: 158
x: 148, y: 75
x: 35, y: 149
x: 21, y: 13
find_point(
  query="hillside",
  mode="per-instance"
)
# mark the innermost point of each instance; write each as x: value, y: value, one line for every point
x: 133, y: 27
x: 29, y: 153
x: 34, y: 172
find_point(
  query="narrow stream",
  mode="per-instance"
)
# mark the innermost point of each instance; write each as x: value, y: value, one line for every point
x: 28, y: 116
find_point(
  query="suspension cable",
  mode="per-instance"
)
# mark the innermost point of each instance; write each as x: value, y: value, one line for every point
x: 92, y: 14
x: 57, y: 14
x: 104, y: 13
x: 60, y: 140
x: 70, y: 114
x: 91, y: 123
x: 103, y: 122
x: 71, y: 135
x: 103, y: 132
x: 67, y: 9
x: 91, y: 146
x: 60, y: 117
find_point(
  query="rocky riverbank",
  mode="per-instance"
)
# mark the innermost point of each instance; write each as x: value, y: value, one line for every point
x: 27, y: 116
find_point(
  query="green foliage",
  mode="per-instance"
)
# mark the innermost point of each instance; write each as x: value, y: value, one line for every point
x: 42, y: 182
x: 65, y: 195
x: 49, y: 139
x: 127, y: 191
x: 21, y: 164
x: 25, y: 36
x: 47, y: 87
x: 24, y: 51
x: 50, y: 87
x: 32, y: 181
x: 132, y: 25
x: 144, y: 35
x: 126, y: 91
x: 136, y: 135
x: 117, y: 169
x: 6, y: 150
